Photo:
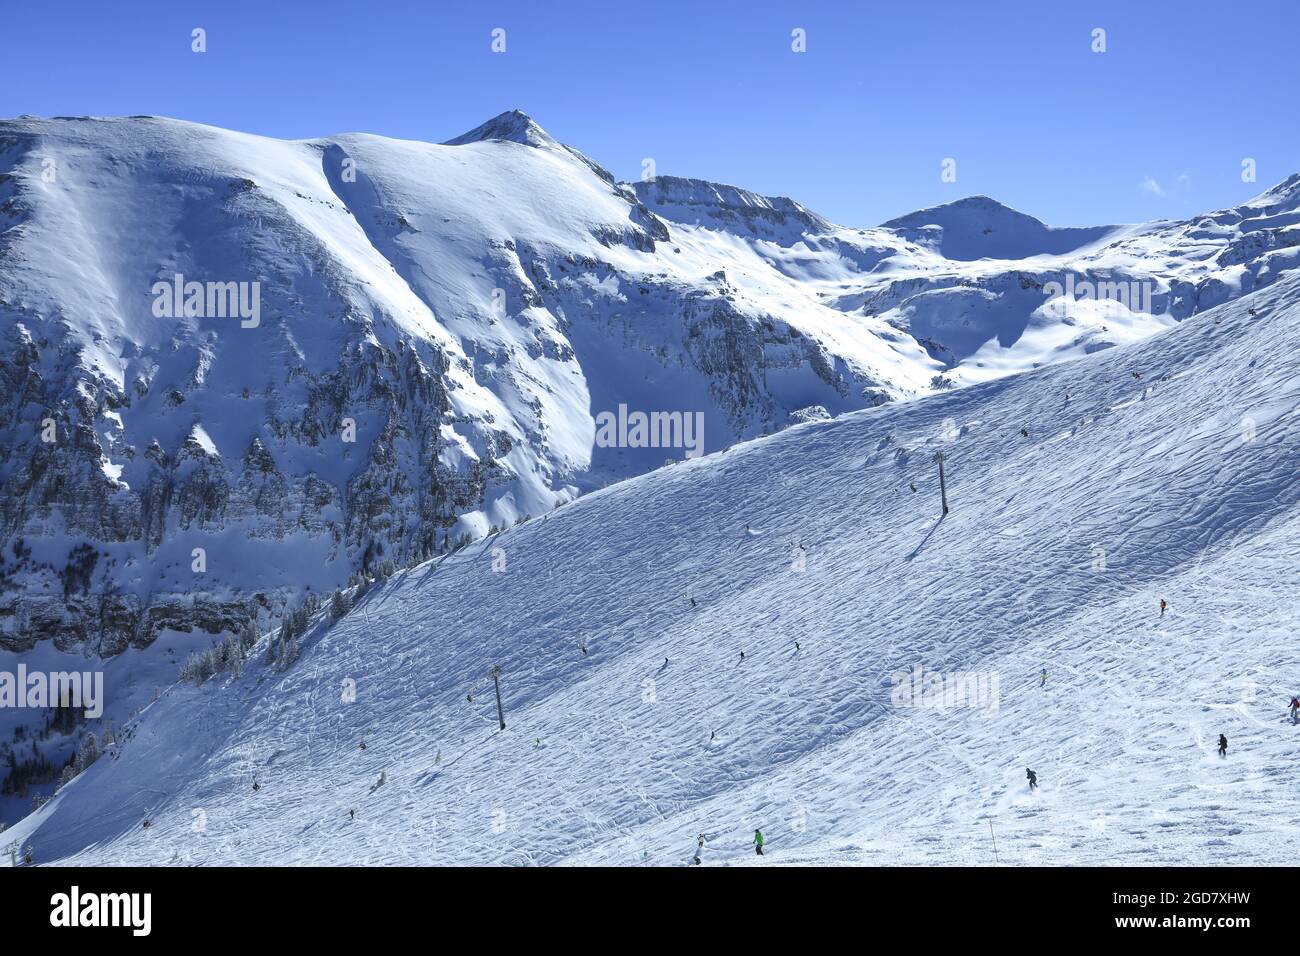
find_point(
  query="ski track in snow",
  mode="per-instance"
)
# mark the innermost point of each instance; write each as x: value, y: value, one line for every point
x: 601, y: 766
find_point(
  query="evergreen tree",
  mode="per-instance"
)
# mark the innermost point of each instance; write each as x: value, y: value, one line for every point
x: 248, y: 636
x: 340, y: 604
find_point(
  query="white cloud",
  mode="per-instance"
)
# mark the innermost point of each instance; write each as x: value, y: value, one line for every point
x: 1153, y: 187
x: 1149, y: 185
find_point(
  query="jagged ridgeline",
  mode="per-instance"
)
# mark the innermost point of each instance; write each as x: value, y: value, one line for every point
x: 238, y: 371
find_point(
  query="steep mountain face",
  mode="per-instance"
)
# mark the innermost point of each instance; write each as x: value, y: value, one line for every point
x: 730, y: 209
x: 238, y: 369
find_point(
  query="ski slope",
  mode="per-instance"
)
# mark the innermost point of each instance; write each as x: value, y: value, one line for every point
x: 1178, y: 484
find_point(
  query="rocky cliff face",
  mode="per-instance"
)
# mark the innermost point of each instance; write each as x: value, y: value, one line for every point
x: 399, y: 501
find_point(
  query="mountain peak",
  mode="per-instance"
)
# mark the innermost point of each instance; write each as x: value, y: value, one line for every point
x: 512, y: 126
x: 978, y: 227
x: 965, y: 205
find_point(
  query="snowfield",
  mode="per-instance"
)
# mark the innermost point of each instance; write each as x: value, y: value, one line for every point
x: 1082, y: 494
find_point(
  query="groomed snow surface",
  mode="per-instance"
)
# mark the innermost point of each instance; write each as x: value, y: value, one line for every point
x: 1178, y: 484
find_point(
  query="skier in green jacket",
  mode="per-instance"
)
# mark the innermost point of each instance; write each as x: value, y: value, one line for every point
x: 758, y: 841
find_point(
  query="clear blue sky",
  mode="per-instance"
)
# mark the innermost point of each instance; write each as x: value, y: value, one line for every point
x: 855, y: 128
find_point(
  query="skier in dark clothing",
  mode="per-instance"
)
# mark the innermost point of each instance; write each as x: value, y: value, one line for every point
x: 1163, y: 607
x: 1295, y: 706
x: 758, y: 841
x: 698, y: 850
x: 1033, y: 779
x: 1223, y: 746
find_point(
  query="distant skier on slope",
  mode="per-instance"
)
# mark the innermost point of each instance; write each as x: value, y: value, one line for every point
x: 1163, y: 607
x: 1223, y: 746
x: 758, y: 842
x: 1042, y: 678
x: 1033, y: 779
x: 698, y: 850
x: 1295, y: 707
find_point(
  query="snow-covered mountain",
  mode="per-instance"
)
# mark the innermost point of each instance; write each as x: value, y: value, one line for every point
x: 462, y: 312
x: 732, y: 644
x: 399, y: 347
